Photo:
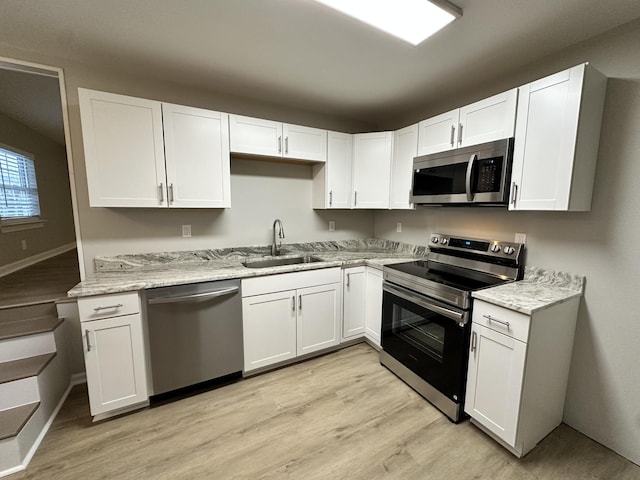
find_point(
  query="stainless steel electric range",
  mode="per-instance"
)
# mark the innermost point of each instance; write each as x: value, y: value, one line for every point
x: 426, y: 313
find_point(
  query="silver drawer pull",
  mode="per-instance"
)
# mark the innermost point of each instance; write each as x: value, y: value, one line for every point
x: 108, y: 307
x: 86, y: 334
x: 493, y: 319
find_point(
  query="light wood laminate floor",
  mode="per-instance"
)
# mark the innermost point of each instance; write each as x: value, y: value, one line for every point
x: 46, y: 281
x: 340, y: 416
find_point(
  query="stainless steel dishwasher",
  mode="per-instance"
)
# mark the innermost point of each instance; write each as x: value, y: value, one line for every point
x: 195, y: 333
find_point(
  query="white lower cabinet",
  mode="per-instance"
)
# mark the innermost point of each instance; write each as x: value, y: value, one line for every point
x: 518, y: 372
x: 114, y: 352
x: 354, y: 301
x: 362, y: 303
x: 373, y: 318
x: 288, y: 315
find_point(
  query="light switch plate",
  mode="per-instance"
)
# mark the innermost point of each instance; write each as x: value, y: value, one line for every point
x: 521, y: 238
x: 332, y: 226
x: 399, y: 227
x: 186, y: 231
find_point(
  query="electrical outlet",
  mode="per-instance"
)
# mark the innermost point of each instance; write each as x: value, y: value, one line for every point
x: 186, y: 231
x: 399, y: 227
x: 24, y: 244
x: 332, y: 226
x: 521, y: 238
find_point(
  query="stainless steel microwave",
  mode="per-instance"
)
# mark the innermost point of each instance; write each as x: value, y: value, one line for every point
x: 476, y: 175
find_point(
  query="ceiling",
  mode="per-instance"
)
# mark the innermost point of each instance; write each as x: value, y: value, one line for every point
x: 300, y: 53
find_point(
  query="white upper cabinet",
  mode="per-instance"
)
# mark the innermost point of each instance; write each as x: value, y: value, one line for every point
x: 125, y: 143
x: 256, y: 136
x: 372, y: 169
x: 484, y: 121
x: 124, y: 150
x: 405, y: 148
x: 197, y: 157
x: 332, y: 185
x: 557, y: 136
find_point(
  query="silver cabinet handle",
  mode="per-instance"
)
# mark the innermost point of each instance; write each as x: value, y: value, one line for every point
x: 348, y: 279
x: 86, y: 336
x: 286, y: 145
x: 161, y: 191
x: 280, y: 144
x: 493, y: 319
x: 108, y: 307
x: 467, y: 183
x: 330, y: 198
x: 171, y: 193
x: 300, y: 302
x: 474, y: 341
x: 459, y: 134
x: 453, y: 130
x: 355, y: 198
x: 293, y: 303
x: 514, y: 192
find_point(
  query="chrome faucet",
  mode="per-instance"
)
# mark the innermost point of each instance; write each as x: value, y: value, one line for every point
x: 275, y: 249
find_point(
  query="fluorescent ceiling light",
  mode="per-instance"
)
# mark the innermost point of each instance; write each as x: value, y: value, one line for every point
x: 410, y: 20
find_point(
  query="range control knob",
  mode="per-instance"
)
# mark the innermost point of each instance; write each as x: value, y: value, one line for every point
x: 444, y: 241
x: 434, y: 239
x: 495, y: 248
x: 509, y: 250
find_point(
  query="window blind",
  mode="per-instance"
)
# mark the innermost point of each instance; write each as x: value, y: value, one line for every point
x: 18, y: 187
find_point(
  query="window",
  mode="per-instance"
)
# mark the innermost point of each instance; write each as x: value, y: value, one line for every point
x: 19, y: 202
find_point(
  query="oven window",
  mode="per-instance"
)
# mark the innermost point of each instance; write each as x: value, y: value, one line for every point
x: 419, y: 331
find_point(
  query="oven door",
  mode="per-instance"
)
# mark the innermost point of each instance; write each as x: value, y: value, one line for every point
x: 428, y: 337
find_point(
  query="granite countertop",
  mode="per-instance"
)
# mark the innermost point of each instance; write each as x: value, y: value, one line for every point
x: 539, y: 289
x: 137, y: 272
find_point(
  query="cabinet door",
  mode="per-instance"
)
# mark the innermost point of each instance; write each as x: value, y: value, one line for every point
x: 373, y: 319
x: 197, y: 157
x: 372, y: 169
x: 405, y: 148
x: 546, y: 131
x: 494, y: 381
x: 255, y: 136
x: 334, y: 189
x: 490, y: 119
x: 269, y: 328
x: 304, y: 143
x: 123, y: 149
x: 115, y: 361
x: 437, y: 134
x: 353, y: 294
x: 318, y: 317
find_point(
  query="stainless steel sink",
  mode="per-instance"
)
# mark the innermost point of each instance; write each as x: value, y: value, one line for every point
x: 277, y: 262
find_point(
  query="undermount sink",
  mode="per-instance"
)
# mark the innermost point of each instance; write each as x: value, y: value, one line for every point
x: 277, y: 262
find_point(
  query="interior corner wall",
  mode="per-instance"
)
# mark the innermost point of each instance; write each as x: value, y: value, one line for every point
x: 53, y: 189
x: 603, y: 396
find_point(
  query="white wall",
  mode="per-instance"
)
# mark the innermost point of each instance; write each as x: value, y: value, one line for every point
x: 603, y: 398
x: 53, y: 189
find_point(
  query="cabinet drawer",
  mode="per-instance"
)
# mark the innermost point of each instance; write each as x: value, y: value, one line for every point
x: 501, y: 320
x: 106, y: 306
x: 290, y: 281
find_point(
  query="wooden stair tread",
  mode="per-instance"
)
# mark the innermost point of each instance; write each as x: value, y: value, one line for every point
x: 24, y: 367
x: 31, y: 326
x: 13, y: 419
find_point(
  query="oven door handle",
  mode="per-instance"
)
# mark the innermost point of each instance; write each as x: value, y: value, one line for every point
x: 418, y: 300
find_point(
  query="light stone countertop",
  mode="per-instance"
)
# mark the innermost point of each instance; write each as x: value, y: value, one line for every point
x: 538, y: 290
x: 137, y: 272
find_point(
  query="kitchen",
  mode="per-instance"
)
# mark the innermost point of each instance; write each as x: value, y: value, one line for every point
x: 591, y: 244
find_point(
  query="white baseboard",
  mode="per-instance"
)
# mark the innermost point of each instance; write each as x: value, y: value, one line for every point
x: 39, y: 257
x: 78, y: 378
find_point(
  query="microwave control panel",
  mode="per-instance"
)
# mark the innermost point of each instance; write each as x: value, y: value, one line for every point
x: 489, y: 174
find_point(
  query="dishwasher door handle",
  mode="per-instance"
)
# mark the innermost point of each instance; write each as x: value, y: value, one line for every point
x: 194, y: 297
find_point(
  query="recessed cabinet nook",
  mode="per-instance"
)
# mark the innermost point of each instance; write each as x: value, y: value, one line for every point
x: 146, y: 153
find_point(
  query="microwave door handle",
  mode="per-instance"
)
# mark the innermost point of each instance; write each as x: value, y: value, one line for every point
x: 467, y: 185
